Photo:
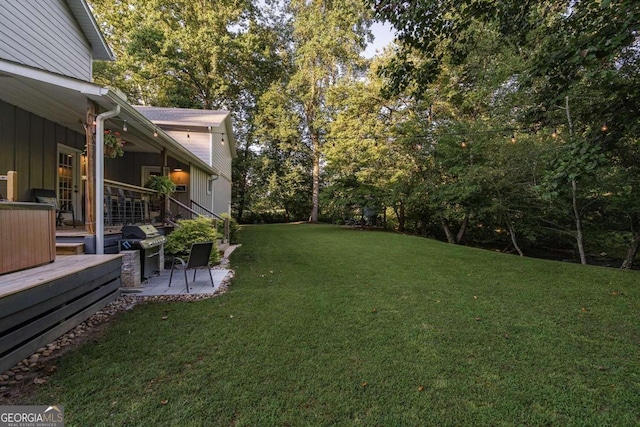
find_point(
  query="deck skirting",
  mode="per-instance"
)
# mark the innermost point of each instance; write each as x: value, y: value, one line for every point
x: 41, y: 304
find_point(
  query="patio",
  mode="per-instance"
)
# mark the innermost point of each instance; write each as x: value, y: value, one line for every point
x: 158, y: 284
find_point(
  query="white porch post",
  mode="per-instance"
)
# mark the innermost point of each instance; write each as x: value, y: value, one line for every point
x: 100, y: 119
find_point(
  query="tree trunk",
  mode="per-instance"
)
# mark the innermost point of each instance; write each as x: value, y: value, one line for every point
x: 384, y: 217
x: 316, y: 178
x: 447, y: 231
x: 401, y: 217
x: 512, y: 234
x: 576, y: 213
x: 242, y: 187
x: 463, y: 229
x: 632, y: 251
x: 634, y: 245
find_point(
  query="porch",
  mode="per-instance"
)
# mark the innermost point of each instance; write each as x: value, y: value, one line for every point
x: 127, y: 204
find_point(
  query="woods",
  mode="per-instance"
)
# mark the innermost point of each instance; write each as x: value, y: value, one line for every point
x: 510, y: 125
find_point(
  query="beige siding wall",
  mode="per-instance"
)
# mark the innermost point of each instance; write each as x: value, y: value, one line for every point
x: 221, y: 195
x: 197, y: 143
x: 45, y: 35
x: 198, y: 190
x: 221, y: 156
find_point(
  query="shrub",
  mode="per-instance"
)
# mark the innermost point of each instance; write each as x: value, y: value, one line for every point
x: 192, y: 231
x: 234, y: 228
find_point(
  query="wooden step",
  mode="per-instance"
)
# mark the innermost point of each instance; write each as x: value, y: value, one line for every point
x: 69, y: 248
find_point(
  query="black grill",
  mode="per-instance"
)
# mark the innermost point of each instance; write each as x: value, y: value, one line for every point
x: 148, y: 241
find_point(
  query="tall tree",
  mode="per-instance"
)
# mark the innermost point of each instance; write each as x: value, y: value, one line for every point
x: 327, y: 38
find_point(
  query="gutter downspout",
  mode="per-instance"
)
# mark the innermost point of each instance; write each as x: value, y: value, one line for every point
x: 100, y: 119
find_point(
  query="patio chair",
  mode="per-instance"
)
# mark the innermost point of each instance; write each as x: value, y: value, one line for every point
x: 198, y: 258
x: 42, y: 195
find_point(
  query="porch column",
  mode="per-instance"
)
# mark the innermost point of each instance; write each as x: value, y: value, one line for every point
x: 164, y: 204
x: 99, y: 207
x: 90, y: 184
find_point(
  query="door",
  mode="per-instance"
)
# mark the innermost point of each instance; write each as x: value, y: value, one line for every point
x: 69, y: 196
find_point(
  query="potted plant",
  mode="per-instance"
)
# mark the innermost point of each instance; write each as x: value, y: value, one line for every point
x: 162, y: 184
x: 113, y: 144
x: 164, y: 187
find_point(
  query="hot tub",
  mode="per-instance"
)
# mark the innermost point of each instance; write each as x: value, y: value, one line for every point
x: 27, y: 235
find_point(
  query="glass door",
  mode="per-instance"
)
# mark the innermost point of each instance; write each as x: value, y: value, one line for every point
x: 68, y: 195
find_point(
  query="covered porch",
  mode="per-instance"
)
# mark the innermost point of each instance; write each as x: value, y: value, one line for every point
x: 52, y: 135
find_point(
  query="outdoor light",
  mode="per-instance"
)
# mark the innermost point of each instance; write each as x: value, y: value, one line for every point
x: 124, y: 126
x: 555, y: 133
x: 513, y: 138
x: 155, y: 132
x: 463, y: 144
x: 177, y: 170
x: 604, y: 127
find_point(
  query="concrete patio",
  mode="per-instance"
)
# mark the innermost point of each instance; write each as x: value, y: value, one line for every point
x: 159, y: 284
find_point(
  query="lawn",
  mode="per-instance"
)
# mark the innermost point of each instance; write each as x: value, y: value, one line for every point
x: 331, y: 326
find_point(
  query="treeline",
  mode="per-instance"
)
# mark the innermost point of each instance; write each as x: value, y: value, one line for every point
x: 512, y: 124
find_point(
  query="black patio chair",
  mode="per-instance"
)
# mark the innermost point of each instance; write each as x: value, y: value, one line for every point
x: 198, y: 258
x: 42, y: 195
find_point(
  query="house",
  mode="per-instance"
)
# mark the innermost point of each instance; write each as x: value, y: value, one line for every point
x: 209, y: 135
x: 48, y: 104
x: 53, y: 120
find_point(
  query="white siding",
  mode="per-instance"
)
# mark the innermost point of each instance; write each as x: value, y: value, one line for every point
x: 221, y: 155
x: 221, y: 195
x: 45, y: 35
x: 198, y: 192
x: 197, y: 143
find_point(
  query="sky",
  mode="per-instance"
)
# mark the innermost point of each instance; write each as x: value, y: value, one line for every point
x: 383, y: 36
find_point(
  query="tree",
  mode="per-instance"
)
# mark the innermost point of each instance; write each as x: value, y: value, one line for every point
x: 195, y: 54
x: 326, y: 40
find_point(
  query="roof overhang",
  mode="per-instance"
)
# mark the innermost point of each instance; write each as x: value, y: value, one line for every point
x: 91, y: 30
x: 183, y: 119
x: 64, y: 100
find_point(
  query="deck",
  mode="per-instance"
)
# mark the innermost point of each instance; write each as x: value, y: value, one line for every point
x: 40, y: 304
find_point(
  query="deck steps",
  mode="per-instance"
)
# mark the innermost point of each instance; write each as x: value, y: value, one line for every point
x: 69, y: 248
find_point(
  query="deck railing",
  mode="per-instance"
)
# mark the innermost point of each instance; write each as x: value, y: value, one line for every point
x: 128, y: 204
x: 196, y: 210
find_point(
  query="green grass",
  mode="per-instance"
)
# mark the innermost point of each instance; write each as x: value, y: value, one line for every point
x: 440, y: 334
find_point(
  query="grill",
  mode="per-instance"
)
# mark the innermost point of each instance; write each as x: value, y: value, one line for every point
x: 148, y: 241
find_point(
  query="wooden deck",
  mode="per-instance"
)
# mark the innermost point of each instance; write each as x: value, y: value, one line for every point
x: 40, y: 304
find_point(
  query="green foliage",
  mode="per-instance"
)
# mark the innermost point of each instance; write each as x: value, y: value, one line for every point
x: 191, y: 231
x: 234, y: 228
x: 162, y: 184
x: 324, y: 42
x: 320, y: 128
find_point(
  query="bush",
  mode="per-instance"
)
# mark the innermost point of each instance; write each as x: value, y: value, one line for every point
x: 234, y: 228
x: 192, y: 231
